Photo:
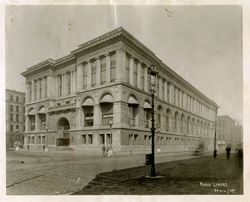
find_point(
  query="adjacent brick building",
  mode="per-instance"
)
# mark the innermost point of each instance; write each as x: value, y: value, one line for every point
x: 15, y: 117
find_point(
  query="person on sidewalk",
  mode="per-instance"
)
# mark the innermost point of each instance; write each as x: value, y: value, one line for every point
x: 228, y: 150
x: 104, y: 150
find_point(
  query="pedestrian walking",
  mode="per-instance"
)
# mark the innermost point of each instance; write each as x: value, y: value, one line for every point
x: 28, y: 147
x: 110, y: 151
x: 104, y: 150
x: 43, y: 147
x: 228, y: 150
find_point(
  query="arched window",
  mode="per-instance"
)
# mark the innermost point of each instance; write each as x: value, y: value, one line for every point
x: 31, y: 120
x: 198, y: 127
x: 193, y: 131
x: 147, y: 114
x: 159, y: 110
x: 42, y: 118
x: 88, y: 108
x: 188, y: 126
x: 168, y: 120
x: 182, y: 123
x: 133, y: 111
x: 175, y: 121
x: 107, y: 109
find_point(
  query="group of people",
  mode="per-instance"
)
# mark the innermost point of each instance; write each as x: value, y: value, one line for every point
x: 107, y: 150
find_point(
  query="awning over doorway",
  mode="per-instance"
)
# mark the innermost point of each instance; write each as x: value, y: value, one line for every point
x: 132, y: 101
x: 42, y: 110
x: 147, y: 105
x: 107, y: 99
x: 32, y: 112
x: 88, y: 102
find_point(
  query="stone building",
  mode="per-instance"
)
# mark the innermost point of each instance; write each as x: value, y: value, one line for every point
x: 99, y: 94
x: 15, y: 118
x: 229, y: 132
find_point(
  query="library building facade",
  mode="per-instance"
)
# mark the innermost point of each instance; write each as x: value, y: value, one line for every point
x: 99, y: 94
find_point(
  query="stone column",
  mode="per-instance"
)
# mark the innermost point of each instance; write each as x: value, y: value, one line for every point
x: 97, y: 116
x: 98, y: 71
x: 160, y: 88
x: 165, y: 90
x: 36, y: 122
x: 27, y: 95
x: 50, y: 86
x: 117, y: 114
x: 146, y: 79
x: 131, y: 70
x: 139, y: 67
x: 89, y: 73
x: 120, y: 65
x: 171, y: 93
x: 107, y: 68
x: 33, y: 91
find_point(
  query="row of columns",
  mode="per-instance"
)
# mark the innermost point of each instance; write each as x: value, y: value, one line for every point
x: 66, y: 83
x: 137, y: 66
x: 84, y: 82
x: 168, y: 92
x: 37, y: 89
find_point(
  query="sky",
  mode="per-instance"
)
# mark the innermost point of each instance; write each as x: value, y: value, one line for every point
x: 203, y: 44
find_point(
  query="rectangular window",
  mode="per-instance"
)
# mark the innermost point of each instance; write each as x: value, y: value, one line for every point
x: 88, y: 116
x: 17, y: 108
x: 107, y: 113
x: 17, y: 128
x: 32, y: 122
x: 90, y: 139
x: 11, y: 108
x: 17, y: 118
x: 109, y: 138
x: 11, y: 98
x: 93, y: 73
x: 17, y: 98
x: 112, y: 67
x: 11, y: 117
x: 146, y: 118
x: 84, y: 139
x: 103, y: 70
x: 127, y: 69
x: 85, y: 75
x: 132, y: 115
x: 142, y: 76
x: 135, y: 73
x: 32, y: 140
x: 23, y: 109
x: 101, y: 139
x: 11, y: 128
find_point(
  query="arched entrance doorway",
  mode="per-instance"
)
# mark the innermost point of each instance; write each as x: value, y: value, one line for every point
x: 63, y: 132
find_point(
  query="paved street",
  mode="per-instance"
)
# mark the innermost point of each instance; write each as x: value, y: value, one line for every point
x: 50, y: 173
x: 203, y: 175
x: 57, y: 173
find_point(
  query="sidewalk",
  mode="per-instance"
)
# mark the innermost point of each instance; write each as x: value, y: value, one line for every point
x: 203, y: 175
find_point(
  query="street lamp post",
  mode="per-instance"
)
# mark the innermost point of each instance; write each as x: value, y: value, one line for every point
x: 46, y: 138
x: 215, y: 151
x: 153, y: 75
